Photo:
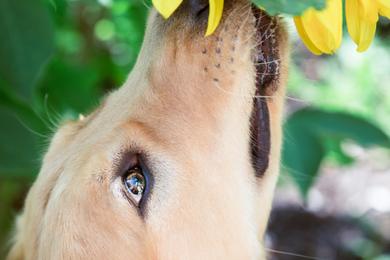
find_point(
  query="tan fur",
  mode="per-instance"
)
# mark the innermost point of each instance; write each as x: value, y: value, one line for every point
x: 191, y: 117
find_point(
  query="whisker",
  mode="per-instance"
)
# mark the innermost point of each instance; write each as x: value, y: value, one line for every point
x: 297, y: 100
x: 290, y: 254
x: 46, y: 108
x: 233, y: 13
x: 247, y: 96
x: 268, y: 62
x: 30, y: 129
x: 145, y: 3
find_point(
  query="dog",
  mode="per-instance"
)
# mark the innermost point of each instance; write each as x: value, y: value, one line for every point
x: 181, y: 162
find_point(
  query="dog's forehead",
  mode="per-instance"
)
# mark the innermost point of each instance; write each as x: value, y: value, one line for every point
x: 183, y: 78
x: 187, y: 78
x: 192, y: 80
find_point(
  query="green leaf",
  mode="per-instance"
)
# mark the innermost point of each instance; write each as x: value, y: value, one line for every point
x: 22, y: 111
x: 336, y: 153
x: 302, y: 156
x: 311, y: 134
x: 293, y: 7
x: 342, y: 126
x: 70, y: 87
x: 22, y: 133
x: 19, y: 153
x: 27, y: 41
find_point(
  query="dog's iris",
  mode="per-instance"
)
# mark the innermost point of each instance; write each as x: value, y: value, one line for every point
x: 135, y: 184
x: 320, y: 30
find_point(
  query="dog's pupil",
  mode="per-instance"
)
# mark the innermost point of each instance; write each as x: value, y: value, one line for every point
x: 135, y: 183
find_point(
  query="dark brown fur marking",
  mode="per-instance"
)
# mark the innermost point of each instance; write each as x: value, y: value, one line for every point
x: 267, y: 63
x: 261, y: 136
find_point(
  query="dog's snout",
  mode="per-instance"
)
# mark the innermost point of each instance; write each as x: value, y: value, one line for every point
x: 198, y: 7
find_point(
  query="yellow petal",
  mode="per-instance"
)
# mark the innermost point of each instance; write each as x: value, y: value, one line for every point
x: 367, y: 34
x: 368, y: 10
x: 385, y: 12
x: 384, y: 8
x: 384, y: 3
x: 353, y: 20
x: 166, y: 7
x: 215, y: 15
x: 305, y: 38
x: 360, y: 22
x: 324, y: 28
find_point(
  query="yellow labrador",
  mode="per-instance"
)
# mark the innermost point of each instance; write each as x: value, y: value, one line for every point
x: 179, y: 163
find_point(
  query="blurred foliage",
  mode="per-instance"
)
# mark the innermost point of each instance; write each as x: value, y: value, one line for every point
x: 292, y: 7
x: 64, y: 55
x: 311, y: 133
x: 353, y: 87
x: 20, y: 65
x: 57, y: 59
x: 323, y: 236
x: 56, y: 63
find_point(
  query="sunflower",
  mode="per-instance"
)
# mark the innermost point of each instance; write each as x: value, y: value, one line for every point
x: 362, y: 17
x: 320, y: 30
x: 167, y: 7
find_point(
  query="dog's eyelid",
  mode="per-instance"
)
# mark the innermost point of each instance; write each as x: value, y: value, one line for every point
x: 136, y: 178
x: 126, y: 159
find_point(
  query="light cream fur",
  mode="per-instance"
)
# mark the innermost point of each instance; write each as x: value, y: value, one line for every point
x: 192, y: 119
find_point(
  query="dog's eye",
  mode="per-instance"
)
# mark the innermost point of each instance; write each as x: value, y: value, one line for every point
x: 136, y: 180
x: 135, y: 184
